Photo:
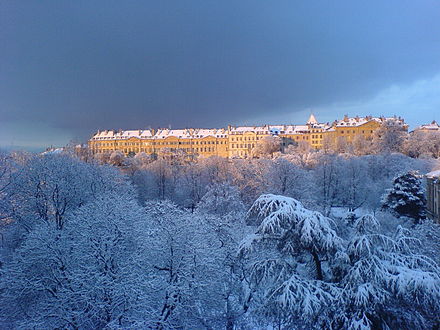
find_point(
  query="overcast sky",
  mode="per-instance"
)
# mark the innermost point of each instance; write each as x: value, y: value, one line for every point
x: 69, y: 68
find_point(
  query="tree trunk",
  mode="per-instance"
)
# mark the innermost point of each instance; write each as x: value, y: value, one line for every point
x: 319, y: 275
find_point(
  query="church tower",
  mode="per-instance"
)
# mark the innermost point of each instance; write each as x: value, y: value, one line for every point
x: 312, y: 120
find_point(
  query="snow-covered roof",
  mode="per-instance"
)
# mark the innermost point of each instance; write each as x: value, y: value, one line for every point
x: 53, y: 151
x: 429, y: 127
x: 243, y: 129
x: 278, y: 129
x: 358, y: 121
x: 205, y: 132
x: 112, y: 135
x: 179, y: 133
x: 296, y: 129
x: 433, y: 174
x: 262, y: 130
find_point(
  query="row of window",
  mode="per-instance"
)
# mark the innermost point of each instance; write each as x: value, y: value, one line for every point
x: 354, y: 132
x: 250, y: 138
x: 152, y: 150
x: 165, y: 143
x: 253, y: 132
x: 245, y: 145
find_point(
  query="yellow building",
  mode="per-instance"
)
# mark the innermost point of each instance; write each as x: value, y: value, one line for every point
x: 349, y: 128
x: 236, y: 141
x: 191, y: 142
x: 133, y: 141
x: 429, y: 128
x: 312, y: 133
x: 242, y: 139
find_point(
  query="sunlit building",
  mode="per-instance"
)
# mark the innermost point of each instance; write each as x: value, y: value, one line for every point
x: 236, y: 141
x: 428, y: 128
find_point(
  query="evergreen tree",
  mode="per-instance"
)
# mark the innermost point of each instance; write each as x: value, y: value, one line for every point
x: 406, y: 198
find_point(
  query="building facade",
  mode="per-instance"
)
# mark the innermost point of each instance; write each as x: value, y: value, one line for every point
x: 433, y: 195
x: 235, y: 141
x: 428, y: 128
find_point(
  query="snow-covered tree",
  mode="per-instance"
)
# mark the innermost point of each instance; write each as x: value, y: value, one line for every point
x: 162, y: 174
x: 221, y: 199
x: 117, y: 158
x: 422, y: 144
x: 387, y: 285
x: 372, y: 281
x: 102, y: 158
x: 141, y: 159
x: 190, y: 260
x: 289, y: 258
x: 191, y: 185
x: 287, y: 179
x: 250, y: 177
x: 215, y: 169
x: 223, y: 212
x: 86, y: 274
x: 406, y: 197
x: 7, y: 168
x: 266, y: 147
x: 361, y: 146
x: 388, y: 138
x: 48, y: 187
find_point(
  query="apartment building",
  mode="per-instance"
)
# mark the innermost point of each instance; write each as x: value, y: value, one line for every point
x: 236, y: 141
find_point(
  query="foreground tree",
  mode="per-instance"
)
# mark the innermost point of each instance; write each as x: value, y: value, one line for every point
x: 84, y: 275
x: 190, y: 258
x: 289, y: 259
x: 387, y: 285
x: 301, y: 274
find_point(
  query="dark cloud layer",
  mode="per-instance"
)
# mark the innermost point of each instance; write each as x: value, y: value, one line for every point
x: 84, y: 65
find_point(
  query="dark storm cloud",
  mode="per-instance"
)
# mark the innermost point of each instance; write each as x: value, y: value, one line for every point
x: 84, y: 65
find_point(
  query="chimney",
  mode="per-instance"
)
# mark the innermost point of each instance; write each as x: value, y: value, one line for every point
x: 346, y: 118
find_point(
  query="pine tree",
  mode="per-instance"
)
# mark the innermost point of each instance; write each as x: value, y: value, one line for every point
x: 406, y: 198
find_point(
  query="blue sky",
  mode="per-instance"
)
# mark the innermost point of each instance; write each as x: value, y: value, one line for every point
x: 68, y: 68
